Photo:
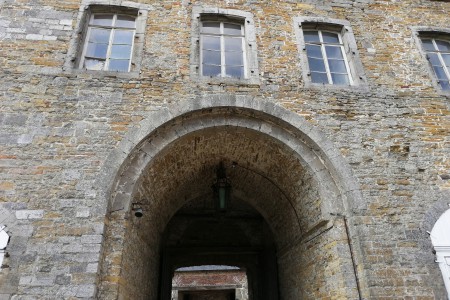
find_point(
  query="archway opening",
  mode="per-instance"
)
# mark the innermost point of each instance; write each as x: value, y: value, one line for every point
x: 200, y: 234
x: 282, y: 193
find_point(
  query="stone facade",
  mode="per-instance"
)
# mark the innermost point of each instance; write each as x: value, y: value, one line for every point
x: 348, y: 178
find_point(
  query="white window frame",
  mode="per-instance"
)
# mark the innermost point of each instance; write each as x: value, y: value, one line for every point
x: 430, y: 32
x: 222, y: 36
x: 356, y: 74
x: 76, y: 49
x: 322, y: 45
x: 202, y: 13
x: 113, y: 29
x: 439, y: 55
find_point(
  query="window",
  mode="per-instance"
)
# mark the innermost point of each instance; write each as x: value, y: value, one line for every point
x: 109, y: 42
x: 438, y: 54
x: 328, y: 53
x: 108, y: 38
x: 326, y: 57
x: 223, y: 46
x: 222, y: 49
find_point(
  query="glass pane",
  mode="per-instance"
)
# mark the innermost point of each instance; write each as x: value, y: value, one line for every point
x: 445, y: 85
x: 434, y: 59
x: 334, y: 52
x: 233, y: 29
x: 120, y: 51
x: 102, y: 20
x: 123, y: 37
x: 337, y: 66
x: 120, y: 65
x: 340, y: 79
x: 440, y: 74
x: 94, y: 64
x: 233, y: 44
x: 313, y: 51
x: 311, y: 36
x: 96, y: 50
x: 99, y: 35
x: 211, y: 27
x: 329, y: 37
x: 237, y: 72
x: 428, y: 45
x: 443, y: 46
x: 319, y: 77
x: 234, y: 58
x: 125, y: 21
x: 212, y: 71
x: 316, y: 64
x: 211, y: 57
x: 211, y: 43
x: 446, y: 58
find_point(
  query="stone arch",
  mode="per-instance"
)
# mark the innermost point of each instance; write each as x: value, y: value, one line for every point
x: 123, y: 172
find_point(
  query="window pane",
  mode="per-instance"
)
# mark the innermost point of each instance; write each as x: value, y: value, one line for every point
x: 120, y: 65
x: 329, y: 37
x: 443, y: 46
x: 125, y: 21
x: 313, y: 51
x: 316, y: 64
x: 94, y: 64
x: 96, y: 50
x: 211, y: 57
x: 446, y: 58
x: 233, y: 44
x: 440, y: 74
x: 337, y: 66
x: 434, y: 59
x: 211, y: 27
x: 311, y: 36
x: 319, y: 77
x: 334, y: 52
x: 102, y: 20
x: 123, y: 37
x: 99, y: 35
x: 340, y: 79
x: 233, y: 29
x: 211, y: 43
x: 121, y: 51
x: 212, y: 71
x: 428, y: 45
x: 237, y: 72
x: 445, y: 85
x: 234, y: 58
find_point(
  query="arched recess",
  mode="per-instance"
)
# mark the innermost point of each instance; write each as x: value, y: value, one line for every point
x: 302, y: 183
x: 440, y: 239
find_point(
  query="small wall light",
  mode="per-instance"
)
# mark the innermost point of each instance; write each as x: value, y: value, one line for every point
x: 138, y: 212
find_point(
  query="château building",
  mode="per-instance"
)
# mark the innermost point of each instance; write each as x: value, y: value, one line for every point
x: 292, y: 149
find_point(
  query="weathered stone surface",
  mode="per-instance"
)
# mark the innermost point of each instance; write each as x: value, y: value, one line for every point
x: 68, y: 134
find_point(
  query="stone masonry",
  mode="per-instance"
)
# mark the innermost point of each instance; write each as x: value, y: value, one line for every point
x: 68, y: 134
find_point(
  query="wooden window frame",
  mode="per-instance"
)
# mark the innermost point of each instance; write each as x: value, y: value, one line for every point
x: 222, y: 36
x: 113, y: 29
x: 323, y: 45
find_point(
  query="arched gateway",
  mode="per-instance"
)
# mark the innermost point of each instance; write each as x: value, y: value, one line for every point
x: 288, y: 221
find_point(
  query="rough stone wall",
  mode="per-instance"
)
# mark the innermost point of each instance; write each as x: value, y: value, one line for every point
x: 59, y: 125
